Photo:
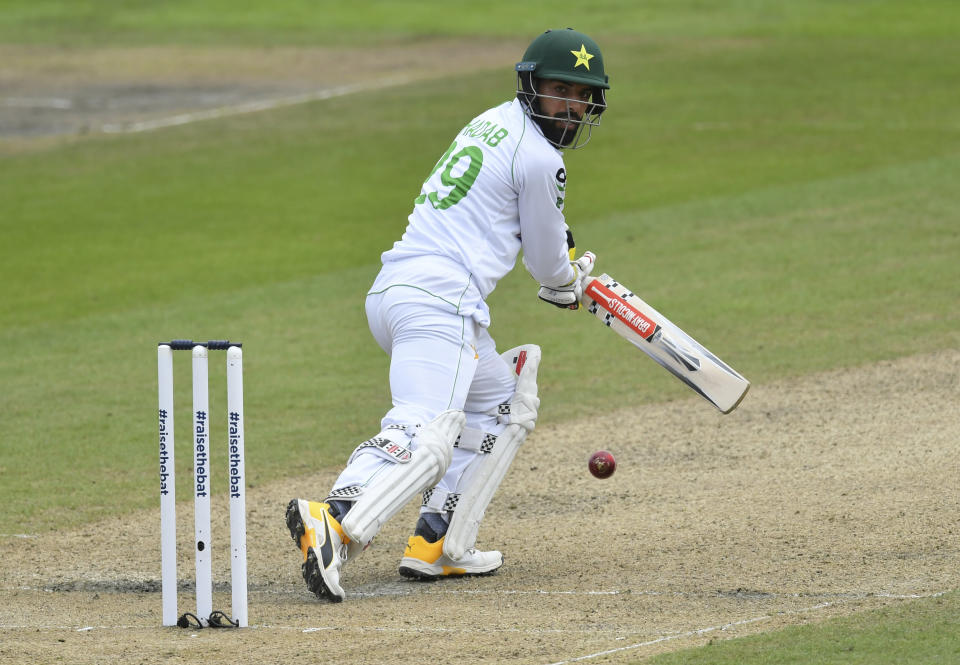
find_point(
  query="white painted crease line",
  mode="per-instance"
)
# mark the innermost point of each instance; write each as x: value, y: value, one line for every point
x: 250, y: 107
x: 759, y: 595
x: 19, y: 535
x: 78, y: 629
x: 298, y: 591
x: 363, y: 594
x: 486, y: 592
x: 534, y: 592
x: 341, y: 628
x: 733, y: 624
x: 486, y: 629
x: 481, y: 630
x: 691, y: 633
x: 742, y: 622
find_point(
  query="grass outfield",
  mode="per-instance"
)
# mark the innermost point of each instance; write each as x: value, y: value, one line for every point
x: 923, y: 632
x: 780, y: 182
x: 296, y: 22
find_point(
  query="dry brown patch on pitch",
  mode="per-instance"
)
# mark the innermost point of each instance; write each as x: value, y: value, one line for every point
x: 315, y: 65
x: 61, y: 92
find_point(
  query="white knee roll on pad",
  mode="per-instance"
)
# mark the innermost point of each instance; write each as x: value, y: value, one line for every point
x: 521, y: 414
x: 391, y: 490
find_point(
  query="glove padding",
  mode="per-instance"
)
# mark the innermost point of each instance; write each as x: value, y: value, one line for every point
x: 568, y: 296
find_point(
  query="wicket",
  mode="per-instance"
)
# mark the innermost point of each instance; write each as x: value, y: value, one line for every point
x: 202, y: 484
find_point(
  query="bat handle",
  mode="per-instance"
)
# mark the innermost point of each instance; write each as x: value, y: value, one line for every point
x: 585, y: 283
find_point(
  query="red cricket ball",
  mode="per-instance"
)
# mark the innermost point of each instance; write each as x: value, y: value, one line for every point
x: 602, y: 465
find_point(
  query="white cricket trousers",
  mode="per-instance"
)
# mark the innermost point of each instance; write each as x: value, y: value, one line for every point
x: 439, y: 360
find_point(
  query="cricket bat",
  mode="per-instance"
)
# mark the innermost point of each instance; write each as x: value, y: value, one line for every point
x: 650, y: 331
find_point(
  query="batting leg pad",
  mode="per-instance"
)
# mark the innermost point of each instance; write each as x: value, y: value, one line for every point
x: 386, y: 494
x: 488, y: 472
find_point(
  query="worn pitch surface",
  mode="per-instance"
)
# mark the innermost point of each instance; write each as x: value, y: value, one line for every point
x: 818, y: 497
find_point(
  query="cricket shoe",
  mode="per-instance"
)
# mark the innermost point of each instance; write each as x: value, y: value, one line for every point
x: 324, y: 546
x: 423, y: 560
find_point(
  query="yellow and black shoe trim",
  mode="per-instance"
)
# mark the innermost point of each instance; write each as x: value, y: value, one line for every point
x: 425, y: 561
x: 317, y: 556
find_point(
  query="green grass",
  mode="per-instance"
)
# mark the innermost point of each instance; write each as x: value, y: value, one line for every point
x: 778, y: 178
x: 324, y: 22
x: 791, y: 203
x: 915, y: 633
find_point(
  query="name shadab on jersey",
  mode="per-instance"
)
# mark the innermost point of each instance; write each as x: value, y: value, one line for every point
x: 499, y: 187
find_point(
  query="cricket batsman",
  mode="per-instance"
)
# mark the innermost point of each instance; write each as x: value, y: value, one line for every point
x: 461, y: 409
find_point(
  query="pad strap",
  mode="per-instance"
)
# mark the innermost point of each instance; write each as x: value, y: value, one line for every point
x: 393, y: 442
x: 476, y: 440
x: 521, y: 410
x: 346, y: 493
x: 438, y: 500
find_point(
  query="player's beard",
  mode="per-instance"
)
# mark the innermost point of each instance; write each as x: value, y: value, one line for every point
x: 557, y: 131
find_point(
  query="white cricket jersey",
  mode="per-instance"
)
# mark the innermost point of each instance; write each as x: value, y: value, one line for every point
x: 498, y: 189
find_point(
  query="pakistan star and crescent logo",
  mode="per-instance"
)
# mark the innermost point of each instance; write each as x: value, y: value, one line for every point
x: 583, y: 58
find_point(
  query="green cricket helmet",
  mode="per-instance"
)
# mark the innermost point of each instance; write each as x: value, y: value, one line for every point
x: 570, y: 56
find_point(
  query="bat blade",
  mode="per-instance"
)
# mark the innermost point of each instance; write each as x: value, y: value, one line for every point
x: 647, y: 329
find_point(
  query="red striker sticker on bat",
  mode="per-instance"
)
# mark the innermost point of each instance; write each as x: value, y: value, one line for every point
x: 621, y: 309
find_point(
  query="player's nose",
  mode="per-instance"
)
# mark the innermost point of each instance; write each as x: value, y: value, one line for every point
x: 577, y: 107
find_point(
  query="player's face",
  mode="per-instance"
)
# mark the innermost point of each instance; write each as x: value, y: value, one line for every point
x: 564, y: 100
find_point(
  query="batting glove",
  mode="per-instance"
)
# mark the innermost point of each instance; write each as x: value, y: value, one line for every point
x: 568, y: 296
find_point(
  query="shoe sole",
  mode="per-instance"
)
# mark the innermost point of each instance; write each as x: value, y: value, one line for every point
x: 310, y: 568
x: 427, y: 576
x: 295, y: 522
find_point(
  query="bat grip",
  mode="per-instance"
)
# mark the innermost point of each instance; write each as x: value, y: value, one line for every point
x: 586, y: 300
